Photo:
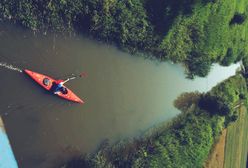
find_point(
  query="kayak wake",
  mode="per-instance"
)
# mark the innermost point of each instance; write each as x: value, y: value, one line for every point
x: 10, y: 67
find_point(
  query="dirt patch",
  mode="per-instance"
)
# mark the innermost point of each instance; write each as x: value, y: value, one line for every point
x: 216, y: 158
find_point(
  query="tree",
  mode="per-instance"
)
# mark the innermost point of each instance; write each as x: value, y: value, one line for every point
x: 186, y: 100
x: 238, y: 18
x: 214, y: 105
x: 198, y: 63
x: 229, y: 57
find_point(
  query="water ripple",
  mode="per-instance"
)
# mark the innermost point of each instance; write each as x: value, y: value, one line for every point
x: 10, y: 67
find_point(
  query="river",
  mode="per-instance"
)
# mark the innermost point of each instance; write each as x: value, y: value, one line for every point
x: 124, y: 95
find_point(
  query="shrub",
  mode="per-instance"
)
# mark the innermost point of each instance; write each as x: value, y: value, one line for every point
x: 229, y: 58
x: 214, y: 105
x: 198, y: 63
x: 238, y: 18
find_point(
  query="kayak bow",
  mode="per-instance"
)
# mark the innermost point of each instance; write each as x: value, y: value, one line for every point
x: 47, y: 83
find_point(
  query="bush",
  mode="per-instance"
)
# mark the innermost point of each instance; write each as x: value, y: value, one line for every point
x: 238, y: 18
x: 185, y: 145
x: 76, y: 162
x: 229, y: 58
x: 186, y: 100
x: 198, y: 64
x: 214, y: 105
x: 168, y: 29
x: 123, y: 22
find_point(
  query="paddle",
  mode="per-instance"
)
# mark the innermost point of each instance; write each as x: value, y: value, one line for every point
x: 81, y: 75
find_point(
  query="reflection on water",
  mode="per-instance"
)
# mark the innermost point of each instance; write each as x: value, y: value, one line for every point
x: 124, y: 95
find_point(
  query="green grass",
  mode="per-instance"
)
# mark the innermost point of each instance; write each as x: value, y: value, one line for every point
x: 237, y: 142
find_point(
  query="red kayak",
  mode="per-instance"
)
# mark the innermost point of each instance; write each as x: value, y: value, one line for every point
x: 48, y: 82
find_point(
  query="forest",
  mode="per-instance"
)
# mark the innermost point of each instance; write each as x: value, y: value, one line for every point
x: 195, y: 33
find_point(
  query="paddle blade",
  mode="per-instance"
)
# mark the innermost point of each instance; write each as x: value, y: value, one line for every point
x: 83, y: 74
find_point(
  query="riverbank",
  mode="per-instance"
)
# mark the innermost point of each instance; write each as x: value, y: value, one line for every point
x: 216, y: 157
x: 196, y: 33
x: 231, y: 148
x: 187, y: 141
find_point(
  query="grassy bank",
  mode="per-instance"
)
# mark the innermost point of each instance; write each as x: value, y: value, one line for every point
x: 231, y: 149
x: 186, y: 142
x: 216, y: 157
x: 196, y: 33
x: 237, y: 142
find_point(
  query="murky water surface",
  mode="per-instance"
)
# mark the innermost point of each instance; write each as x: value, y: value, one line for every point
x: 124, y: 95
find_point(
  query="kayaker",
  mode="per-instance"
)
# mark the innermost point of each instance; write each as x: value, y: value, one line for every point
x: 60, y: 86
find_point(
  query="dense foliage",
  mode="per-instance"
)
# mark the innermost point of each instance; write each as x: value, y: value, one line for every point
x: 188, y: 140
x: 196, y: 33
x: 225, y: 98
